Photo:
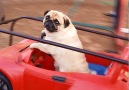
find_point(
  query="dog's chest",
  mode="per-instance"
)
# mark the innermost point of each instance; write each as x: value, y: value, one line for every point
x: 58, y: 51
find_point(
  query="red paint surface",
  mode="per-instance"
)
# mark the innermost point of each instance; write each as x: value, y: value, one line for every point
x: 24, y: 75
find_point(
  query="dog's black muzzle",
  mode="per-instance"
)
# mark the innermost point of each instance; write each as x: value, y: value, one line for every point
x: 49, y: 25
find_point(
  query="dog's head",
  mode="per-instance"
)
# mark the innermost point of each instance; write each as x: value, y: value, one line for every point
x: 55, y: 21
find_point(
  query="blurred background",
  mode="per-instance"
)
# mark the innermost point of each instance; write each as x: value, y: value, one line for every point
x: 84, y: 11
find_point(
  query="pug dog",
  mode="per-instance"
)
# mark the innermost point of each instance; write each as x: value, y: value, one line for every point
x: 59, y: 28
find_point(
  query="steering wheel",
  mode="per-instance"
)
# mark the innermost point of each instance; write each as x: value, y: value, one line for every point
x: 41, y: 59
x: 37, y: 58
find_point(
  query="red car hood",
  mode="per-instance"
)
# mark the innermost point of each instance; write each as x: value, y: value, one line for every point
x: 11, y: 51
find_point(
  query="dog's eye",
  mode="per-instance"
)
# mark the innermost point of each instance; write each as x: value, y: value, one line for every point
x: 47, y: 17
x: 56, y: 22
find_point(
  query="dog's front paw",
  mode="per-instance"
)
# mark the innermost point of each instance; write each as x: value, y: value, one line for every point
x: 32, y: 46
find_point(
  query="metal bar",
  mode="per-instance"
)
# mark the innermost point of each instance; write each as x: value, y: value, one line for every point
x: 13, y: 23
x: 11, y: 36
x: 117, y: 11
x: 25, y: 17
x: 101, y: 33
x: 80, y: 28
x: 107, y: 28
x: 120, y: 22
x: 66, y: 46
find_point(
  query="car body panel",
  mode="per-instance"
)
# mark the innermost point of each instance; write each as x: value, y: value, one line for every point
x: 24, y: 76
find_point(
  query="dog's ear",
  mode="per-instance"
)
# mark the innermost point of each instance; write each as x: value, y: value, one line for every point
x: 66, y: 22
x: 46, y: 12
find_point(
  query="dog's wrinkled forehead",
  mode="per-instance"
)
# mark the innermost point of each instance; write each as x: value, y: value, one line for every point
x: 54, y: 15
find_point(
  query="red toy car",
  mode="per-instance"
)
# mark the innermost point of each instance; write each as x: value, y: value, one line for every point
x: 34, y: 70
x: 24, y: 69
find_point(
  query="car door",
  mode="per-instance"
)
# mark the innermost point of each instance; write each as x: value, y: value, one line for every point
x: 41, y: 79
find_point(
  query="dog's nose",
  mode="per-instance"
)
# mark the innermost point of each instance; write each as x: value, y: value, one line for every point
x: 50, y: 26
x: 46, y: 25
